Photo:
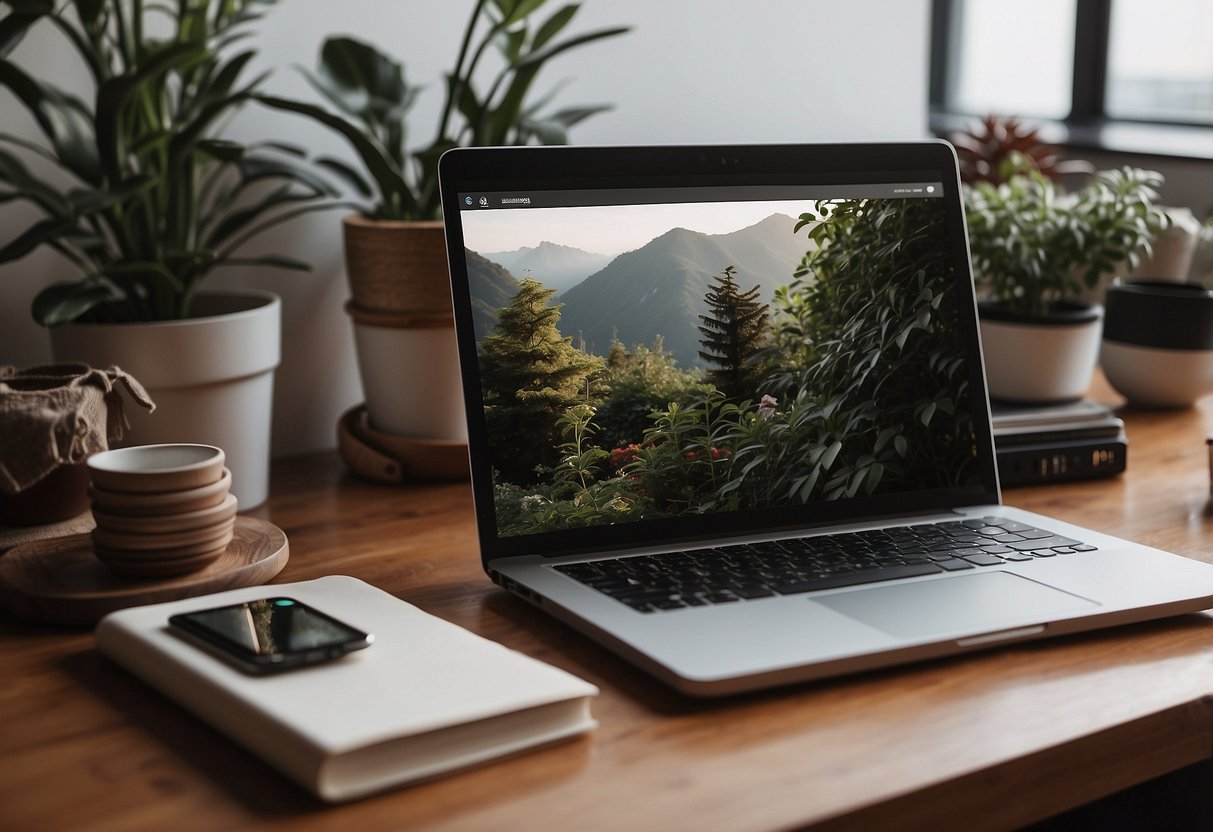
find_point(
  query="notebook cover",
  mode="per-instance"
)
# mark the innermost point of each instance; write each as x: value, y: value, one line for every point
x: 425, y: 698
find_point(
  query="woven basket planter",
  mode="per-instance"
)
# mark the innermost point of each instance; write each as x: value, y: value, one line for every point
x: 400, y: 303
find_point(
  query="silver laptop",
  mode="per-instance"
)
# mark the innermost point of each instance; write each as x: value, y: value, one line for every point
x: 726, y: 415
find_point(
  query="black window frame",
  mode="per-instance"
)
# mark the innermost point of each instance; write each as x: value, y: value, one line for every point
x: 1087, y: 125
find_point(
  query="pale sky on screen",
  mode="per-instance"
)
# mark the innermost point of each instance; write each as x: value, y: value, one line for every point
x: 612, y: 229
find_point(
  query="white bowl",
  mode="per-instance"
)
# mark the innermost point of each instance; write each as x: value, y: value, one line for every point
x: 151, y: 469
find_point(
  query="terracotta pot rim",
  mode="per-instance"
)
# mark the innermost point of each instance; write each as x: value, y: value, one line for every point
x: 363, y: 221
x: 394, y: 319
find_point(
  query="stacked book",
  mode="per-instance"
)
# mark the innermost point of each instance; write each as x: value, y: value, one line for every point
x: 1077, y: 440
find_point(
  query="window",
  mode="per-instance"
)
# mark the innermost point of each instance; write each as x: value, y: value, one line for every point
x: 1160, y: 61
x: 1129, y: 75
x: 1014, y: 58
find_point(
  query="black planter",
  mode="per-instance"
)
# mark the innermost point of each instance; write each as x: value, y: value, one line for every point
x: 1158, y: 342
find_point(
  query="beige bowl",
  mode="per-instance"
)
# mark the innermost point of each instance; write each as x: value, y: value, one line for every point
x: 166, y: 555
x: 207, y: 537
x: 168, y: 502
x: 153, y: 469
x: 167, y: 523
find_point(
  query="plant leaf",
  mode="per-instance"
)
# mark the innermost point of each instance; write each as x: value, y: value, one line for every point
x: 37, y: 234
x: 63, y: 303
x: 15, y: 173
x: 540, y: 57
x: 237, y: 220
x: 16, y: 23
x: 63, y: 118
x: 274, y: 261
x: 553, y: 25
x: 114, y: 94
x: 389, y: 179
x: 347, y: 174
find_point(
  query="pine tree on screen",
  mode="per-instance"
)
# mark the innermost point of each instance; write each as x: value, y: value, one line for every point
x: 733, y: 331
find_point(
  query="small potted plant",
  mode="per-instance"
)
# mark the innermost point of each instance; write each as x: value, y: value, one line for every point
x: 995, y: 147
x: 394, y: 247
x: 147, y: 200
x: 1035, y: 249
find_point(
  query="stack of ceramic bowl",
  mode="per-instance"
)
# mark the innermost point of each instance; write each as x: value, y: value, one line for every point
x: 161, y: 510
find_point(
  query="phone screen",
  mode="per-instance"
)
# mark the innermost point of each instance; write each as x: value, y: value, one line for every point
x: 272, y: 633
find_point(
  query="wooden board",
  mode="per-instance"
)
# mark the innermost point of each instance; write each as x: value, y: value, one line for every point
x: 61, y: 581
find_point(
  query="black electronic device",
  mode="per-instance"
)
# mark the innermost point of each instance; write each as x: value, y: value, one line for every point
x: 271, y: 634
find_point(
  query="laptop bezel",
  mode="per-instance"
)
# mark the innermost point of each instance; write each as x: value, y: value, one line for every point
x: 575, y: 168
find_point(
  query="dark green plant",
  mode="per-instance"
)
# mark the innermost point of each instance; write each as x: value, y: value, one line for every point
x: 371, y: 97
x: 147, y: 199
x: 792, y: 454
x: 1033, y: 245
x: 581, y: 460
x: 684, y: 460
x: 733, y: 333
x: 640, y: 381
x: 530, y: 376
x: 872, y: 359
x: 576, y: 496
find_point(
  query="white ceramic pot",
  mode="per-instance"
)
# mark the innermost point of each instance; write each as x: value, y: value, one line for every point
x: 211, y: 377
x: 1040, y: 360
x: 1158, y: 342
x: 1157, y: 377
x: 411, y: 380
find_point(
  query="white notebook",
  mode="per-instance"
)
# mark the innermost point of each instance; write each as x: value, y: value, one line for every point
x: 425, y: 698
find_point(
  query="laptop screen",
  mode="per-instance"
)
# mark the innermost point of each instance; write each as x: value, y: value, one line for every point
x: 664, y: 356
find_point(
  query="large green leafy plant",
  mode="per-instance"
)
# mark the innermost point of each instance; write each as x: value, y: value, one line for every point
x: 371, y: 97
x: 1033, y: 245
x: 143, y: 195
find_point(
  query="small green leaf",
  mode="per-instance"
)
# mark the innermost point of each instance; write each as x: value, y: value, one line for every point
x: 553, y: 25
x: 830, y: 455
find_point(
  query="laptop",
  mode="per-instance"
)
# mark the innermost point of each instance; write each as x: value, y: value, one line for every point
x: 727, y: 415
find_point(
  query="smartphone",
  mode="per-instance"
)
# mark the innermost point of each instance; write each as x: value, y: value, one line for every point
x: 271, y: 634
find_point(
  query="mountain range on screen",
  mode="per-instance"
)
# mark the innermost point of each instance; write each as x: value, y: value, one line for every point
x: 562, y: 267
x: 657, y: 289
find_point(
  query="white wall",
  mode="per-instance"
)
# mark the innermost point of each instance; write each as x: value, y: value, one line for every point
x: 690, y: 71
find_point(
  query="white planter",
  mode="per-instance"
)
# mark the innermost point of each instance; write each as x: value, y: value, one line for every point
x: 412, y: 381
x: 1040, y: 361
x: 1156, y: 377
x: 211, y: 377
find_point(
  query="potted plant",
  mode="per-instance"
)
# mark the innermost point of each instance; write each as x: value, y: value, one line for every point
x: 996, y: 146
x: 1034, y: 250
x: 146, y: 201
x: 394, y: 247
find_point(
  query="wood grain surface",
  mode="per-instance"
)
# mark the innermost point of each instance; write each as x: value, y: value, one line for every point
x: 987, y: 741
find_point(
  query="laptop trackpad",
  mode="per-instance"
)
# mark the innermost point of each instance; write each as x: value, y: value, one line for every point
x: 964, y: 604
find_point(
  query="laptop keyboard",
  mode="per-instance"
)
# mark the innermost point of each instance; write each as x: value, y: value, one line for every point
x: 728, y: 574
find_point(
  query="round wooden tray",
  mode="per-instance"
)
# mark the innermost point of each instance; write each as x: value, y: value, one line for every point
x: 61, y: 581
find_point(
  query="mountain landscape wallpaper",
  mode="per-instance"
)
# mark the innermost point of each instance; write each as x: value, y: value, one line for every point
x: 642, y: 362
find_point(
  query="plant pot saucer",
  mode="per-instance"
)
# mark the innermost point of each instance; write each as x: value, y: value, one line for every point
x: 389, y: 458
x: 61, y: 581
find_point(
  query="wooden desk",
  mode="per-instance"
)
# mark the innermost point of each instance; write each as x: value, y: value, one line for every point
x: 993, y: 740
